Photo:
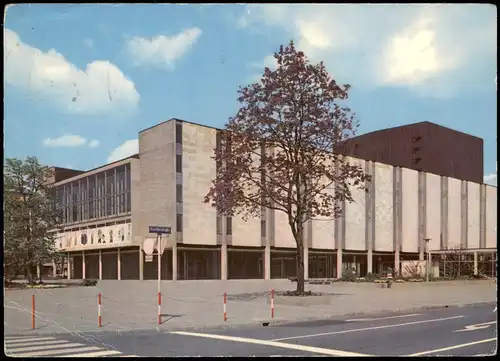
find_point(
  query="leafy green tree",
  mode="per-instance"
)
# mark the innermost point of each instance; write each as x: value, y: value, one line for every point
x: 30, y: 217
x: 277, y: 152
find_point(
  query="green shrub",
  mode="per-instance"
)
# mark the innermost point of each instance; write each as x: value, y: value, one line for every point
x: 370, y: 277
x: 89, y: 282
x: 349, y: 275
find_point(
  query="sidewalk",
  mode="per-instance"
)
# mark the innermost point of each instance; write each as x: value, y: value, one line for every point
x: 132, y: 305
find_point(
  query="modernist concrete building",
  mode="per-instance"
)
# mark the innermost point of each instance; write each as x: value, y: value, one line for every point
x: 107, y: 212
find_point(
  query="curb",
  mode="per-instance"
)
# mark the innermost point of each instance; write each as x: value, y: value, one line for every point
x: 397, y: 310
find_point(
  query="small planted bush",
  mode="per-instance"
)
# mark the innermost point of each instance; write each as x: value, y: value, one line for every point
x: 89, y: 282
x: 349, y: 275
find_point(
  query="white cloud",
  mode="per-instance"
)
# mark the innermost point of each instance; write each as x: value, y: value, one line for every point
x: 94, y: 143
x: 130, y: 147
x: 100, y: 88
x: 433, y: 49
x: 162, y: 51
x: 70, y: 141
x: 269, y: 62
x: 491, y: 179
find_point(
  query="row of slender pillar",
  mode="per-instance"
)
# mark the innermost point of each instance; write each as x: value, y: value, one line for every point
x: 267, y: 263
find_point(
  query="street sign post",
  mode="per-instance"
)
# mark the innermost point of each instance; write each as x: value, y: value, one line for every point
x: 160, y: 229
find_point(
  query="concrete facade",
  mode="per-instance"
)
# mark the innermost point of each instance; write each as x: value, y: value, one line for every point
x: 384, y: 227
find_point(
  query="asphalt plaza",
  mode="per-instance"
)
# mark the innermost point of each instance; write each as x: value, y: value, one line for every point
x: 465, y: 331
x: 457, y: 331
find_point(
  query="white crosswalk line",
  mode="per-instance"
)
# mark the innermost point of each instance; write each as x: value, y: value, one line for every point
x: 94, y: 354
x: 12, y: 338
x: 29, y: 339
x: 39, y: 343
x: 31, y: 346
x: 56, y: 352
x: 47, y: 347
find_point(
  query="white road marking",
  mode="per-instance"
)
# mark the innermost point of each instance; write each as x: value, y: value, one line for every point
x: 40, y: 343
x: 13, y: 338
x: 382, y: 318
x: 40, y: 348
x: 478, y: 326
x: 55, y: 352
x: 24, y: 346
x: 29, y: 339
x: 368, y: 328
x: 454, y: 347
x: 318, y: 350
x: 94, y: 354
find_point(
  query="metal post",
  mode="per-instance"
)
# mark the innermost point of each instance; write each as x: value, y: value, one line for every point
x: 159, y: 263
x: 427, y: 271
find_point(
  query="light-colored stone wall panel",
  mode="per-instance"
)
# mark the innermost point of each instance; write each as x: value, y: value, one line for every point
x: 355, y: 224
x: 491, y: 217
x: 433, y: 209
x: 198, y: 172
x: 384, y: 208
x: 473, y: 214
x: 454, y: 213
x: 410, y: 211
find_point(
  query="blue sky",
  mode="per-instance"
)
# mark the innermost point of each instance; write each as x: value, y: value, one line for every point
x: 82, y: 80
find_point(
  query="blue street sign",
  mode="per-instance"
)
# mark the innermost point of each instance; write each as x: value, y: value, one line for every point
x: 160, y: 229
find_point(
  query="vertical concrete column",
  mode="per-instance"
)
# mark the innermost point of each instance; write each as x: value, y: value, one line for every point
x: 475, y: 263
x: 119, y: 264
x: 174, y: 262
x: 38, y: 271
x: 68, y: 267
x: 100, y: 264
x: 83, y: 265
x: 54, y: 268
x: 369, y: 261
x: 397, y: 269
x: 223, y: 262
x: 141, y: 264
x: 306, y: 262
x: 339, y: 263
x: 267, y: 262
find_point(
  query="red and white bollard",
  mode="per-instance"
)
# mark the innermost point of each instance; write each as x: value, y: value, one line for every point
x: 99, y: 320
x: 159, y: 308
x: 33, y: 312
x: 224, y: 307
x: 272, y: 303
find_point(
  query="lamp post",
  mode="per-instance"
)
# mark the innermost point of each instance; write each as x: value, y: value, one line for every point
x: 427, y: 265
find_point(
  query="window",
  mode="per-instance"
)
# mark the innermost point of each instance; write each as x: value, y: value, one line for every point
x: 218, y: 225
x: 178, y: 163
x: 229, y: 226
x: 129, y: 202
x: 122, y: 203
x: 178, y: 132
x: 109, y: 210
x: 178, y: 193
x: 179, y: 223
x: 128, y: 176
x: 263, y: 228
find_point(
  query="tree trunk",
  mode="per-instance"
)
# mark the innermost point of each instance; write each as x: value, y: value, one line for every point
x: 300, y: 270
x: 30, y: 274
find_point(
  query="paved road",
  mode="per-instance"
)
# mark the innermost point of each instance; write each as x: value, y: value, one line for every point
x: 464, y: 331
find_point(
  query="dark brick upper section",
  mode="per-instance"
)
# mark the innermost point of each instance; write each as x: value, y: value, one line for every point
x: 422, y: 146
x: 60, y: 174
